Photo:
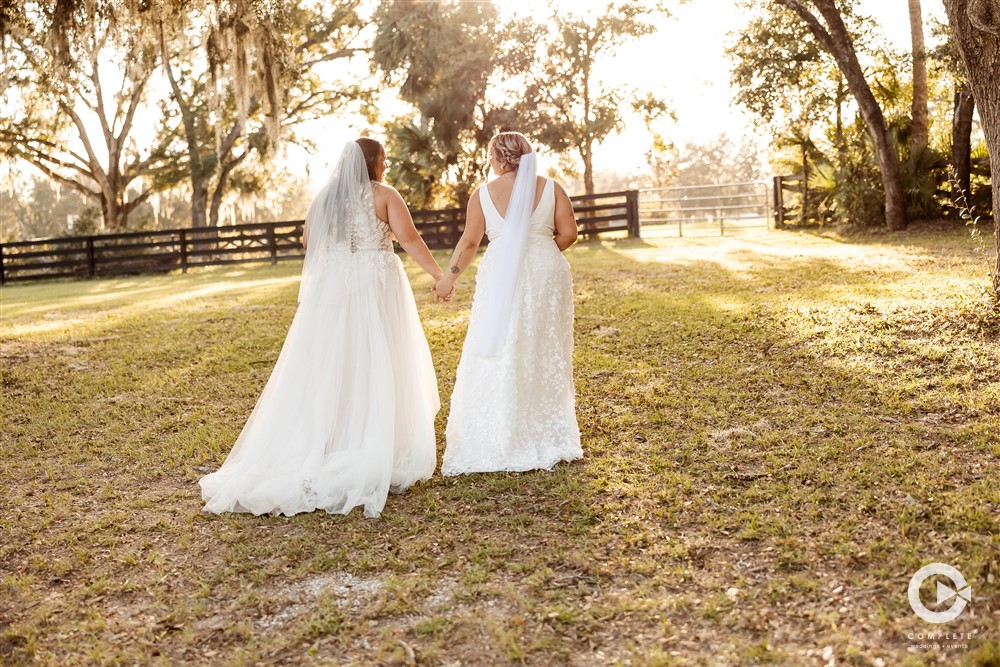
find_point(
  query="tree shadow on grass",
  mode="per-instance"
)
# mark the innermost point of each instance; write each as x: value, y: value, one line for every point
x: 769, y: 438
x: 68, y: 299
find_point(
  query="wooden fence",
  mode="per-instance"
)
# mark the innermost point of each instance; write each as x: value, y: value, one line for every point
x: 171, y: 249
x: 784, y: 211
x: 795, y: 203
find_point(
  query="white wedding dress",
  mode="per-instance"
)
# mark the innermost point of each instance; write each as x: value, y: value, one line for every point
x: 515, y: 411
x: 348, y: 411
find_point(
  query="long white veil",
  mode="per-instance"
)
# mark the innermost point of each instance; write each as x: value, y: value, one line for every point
x: 348, y: 410
x: 507, y: 254
x: 336, y: 211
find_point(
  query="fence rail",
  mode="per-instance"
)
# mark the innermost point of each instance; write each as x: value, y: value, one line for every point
x: 721, y: 206
x: 171, y: 249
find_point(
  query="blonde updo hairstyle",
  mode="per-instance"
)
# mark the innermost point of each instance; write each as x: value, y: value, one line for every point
x: 508, y: 147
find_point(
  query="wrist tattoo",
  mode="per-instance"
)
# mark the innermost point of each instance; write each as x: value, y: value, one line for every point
x: 454, y: 269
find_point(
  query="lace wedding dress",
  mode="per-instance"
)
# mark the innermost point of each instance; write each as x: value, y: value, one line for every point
x: 515, y: 410
x: 348, y: 411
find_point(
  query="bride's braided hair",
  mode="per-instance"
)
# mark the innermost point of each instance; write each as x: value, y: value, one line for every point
x: 508, y: 147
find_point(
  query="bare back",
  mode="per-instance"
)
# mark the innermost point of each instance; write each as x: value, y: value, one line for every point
x: 500, y: 189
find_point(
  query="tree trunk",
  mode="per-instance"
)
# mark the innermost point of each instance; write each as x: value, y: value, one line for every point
x: 108, y: 214
x: 588, y: 167
x: 918, y: 135
x: 199, y: 177
x: 835, y: 38
x: 114, y: 215
x: 975, y: 25
x: 839, y: 130
x: 804, y: 211
x: 961, y: 138
x: 220, y: 187
x: 213, y: 212
x: 199, y: 203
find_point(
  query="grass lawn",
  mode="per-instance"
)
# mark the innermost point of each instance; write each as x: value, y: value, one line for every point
x: 779, y: 430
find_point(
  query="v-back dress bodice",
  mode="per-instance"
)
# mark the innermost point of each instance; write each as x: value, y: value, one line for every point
x: 540, y: 225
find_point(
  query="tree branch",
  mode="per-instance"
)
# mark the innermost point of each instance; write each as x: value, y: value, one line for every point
x: 137, y: 167
x: 133, y: 204
x: 818, y: 30
x: 18, y: 138
x: 96, y: 171
x: 133, y: 105
x: 95, y: 78
x: 334, y: 55
x: 56, y: 176
x: 26, y: 151
x: 221, y: 185
x: 236, y: 131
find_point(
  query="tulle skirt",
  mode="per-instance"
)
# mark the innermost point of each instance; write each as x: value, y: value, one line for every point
x: 348, y: 411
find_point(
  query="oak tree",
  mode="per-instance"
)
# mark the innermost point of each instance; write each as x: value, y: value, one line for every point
x: 975, y: 25
x: 242, y: 76
x: 76, y: 75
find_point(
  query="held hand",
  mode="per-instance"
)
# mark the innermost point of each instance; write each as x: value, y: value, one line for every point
x: 444, y: 290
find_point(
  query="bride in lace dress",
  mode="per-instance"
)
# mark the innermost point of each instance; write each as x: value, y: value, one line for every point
x: 513, y: 407
x: 348, y: 411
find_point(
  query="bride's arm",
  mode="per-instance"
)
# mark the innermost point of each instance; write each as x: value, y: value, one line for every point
x: 565, y: 219
x: 465, y: 250
x: 401, y: 224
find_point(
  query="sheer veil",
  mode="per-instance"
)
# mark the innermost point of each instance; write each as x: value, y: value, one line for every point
x: 507, y: 253
x: 337, y: 210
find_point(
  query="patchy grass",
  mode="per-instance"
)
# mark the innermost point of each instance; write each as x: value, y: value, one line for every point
x: 779, y: 430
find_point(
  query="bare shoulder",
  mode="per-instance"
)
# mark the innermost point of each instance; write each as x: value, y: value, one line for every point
x: 385, y: 191
x: 474, y: 200
x: 560, y: 190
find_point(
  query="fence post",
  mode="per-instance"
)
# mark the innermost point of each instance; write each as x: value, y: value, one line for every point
x: 779, y: 203
x: 3, y: 271
x: 632, y: 213
x: 273, y: 244
x: 91, y: 261
x: 184, y: 251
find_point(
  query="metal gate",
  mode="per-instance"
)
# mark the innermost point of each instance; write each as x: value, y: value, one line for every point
x: 706, y: 209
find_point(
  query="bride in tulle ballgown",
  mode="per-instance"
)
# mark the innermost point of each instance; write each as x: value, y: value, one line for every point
x: 348, y: 411
x: 513, y: 407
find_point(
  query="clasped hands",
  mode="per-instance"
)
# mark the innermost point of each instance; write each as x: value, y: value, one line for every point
x: 444, y: 289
